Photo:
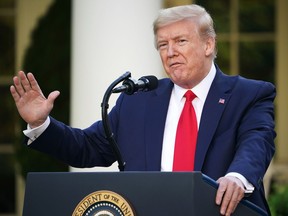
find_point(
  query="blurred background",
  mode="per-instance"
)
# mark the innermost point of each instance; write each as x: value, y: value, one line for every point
x: 80, y: 47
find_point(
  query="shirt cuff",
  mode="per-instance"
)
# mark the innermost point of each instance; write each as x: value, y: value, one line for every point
x: 34, y: 133
x: 249, y: 188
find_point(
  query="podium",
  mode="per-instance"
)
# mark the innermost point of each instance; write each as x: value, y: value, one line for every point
x: 147, y: 193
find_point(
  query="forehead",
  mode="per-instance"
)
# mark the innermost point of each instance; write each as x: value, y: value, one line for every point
x: 177, y: 29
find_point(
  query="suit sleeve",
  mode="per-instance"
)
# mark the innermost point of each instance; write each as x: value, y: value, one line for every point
x: 255, y: 137
x: 76, y: 147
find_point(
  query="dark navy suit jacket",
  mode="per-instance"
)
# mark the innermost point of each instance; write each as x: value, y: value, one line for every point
x: 236, y: 132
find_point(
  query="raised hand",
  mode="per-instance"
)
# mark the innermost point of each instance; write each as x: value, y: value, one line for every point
x: 32, y: 105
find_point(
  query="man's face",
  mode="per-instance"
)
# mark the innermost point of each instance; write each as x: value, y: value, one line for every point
x: 186, y: 57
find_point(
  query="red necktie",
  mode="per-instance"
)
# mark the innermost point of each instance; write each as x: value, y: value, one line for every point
x: 186, y: 136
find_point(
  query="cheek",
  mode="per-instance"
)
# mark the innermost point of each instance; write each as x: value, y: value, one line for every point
x: 195, y: 56
x: 192, y: 58
x: 163, y: 58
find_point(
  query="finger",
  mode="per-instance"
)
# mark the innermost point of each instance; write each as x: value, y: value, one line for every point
x: 234, y: 193
x: 24, y: 81
x: 226, y: 200
x: 18, y: 87
x: 236, y: 198
x: 14, y: 93
x: 220, y: 192
x: 233, y: 203
x: 224, y: 194
x: 33, y: 83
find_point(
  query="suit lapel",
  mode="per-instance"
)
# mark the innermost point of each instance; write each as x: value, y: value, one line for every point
x: 155, y: 116
x: 216, y: 101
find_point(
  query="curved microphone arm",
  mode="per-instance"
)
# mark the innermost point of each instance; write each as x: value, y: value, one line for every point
x: 105, y: 120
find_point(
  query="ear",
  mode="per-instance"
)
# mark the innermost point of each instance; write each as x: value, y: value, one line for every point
x: 209, y: 46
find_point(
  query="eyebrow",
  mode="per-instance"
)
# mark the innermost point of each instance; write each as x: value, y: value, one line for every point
x: 173, y: 38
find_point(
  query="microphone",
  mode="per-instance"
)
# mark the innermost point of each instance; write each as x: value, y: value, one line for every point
x: 130, y: 86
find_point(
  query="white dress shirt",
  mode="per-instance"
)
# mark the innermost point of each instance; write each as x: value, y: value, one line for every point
x: 33, y: 133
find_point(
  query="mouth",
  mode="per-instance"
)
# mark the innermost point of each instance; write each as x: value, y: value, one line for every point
x: 175, y: 64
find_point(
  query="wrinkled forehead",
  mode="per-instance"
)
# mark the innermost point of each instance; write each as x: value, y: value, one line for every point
x: 183, y: 28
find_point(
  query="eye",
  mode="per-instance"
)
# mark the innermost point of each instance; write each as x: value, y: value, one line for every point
x: 181, y: 42
x: 161, y: 45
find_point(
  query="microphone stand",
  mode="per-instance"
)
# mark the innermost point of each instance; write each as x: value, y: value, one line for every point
x: 105, y: 120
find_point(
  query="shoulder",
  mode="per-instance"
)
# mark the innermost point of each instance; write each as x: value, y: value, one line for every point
x: 244, y: 85
x: 254, y: 83
x: 255, y: 87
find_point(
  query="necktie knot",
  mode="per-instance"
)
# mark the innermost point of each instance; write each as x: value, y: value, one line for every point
x: 189, y: 95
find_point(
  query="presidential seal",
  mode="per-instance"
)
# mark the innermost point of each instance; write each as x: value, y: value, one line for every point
x: 103, y: 203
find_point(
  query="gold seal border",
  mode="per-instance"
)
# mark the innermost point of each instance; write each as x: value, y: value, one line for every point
x: 103, y: 196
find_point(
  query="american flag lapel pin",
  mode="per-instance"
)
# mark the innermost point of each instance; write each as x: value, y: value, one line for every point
x: 221, y: 101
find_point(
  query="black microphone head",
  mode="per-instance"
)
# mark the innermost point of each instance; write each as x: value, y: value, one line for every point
x: 130, y: 86
x: 151, y: 82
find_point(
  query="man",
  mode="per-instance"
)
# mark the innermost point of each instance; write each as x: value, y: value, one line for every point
x: 234, y: 116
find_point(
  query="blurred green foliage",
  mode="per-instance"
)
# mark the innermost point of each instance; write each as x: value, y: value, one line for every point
x: 278, y: 201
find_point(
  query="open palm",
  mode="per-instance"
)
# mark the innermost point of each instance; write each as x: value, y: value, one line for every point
x: 32, y: 105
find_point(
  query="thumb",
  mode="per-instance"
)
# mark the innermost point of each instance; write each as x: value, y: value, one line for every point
x: 52, y: 96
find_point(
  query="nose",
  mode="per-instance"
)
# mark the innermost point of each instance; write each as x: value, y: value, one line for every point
x: 171, y: 50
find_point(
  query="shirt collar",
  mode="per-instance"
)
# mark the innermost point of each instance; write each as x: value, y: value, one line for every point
x: 200, y: 90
